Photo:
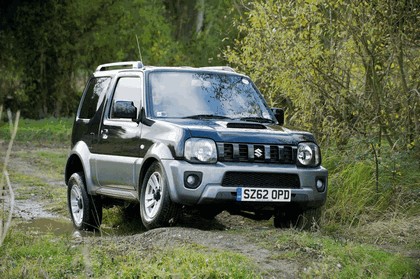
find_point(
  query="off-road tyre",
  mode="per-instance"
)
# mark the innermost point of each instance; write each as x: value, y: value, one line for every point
x: 85, y: 210
x: 156, y: 207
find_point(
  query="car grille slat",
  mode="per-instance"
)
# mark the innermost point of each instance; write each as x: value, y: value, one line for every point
x: 258, y: 153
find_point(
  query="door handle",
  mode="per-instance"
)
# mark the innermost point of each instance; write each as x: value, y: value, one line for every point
x: 104, y: 134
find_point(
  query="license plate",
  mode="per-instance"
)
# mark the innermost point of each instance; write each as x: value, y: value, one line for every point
x: 263, y: 194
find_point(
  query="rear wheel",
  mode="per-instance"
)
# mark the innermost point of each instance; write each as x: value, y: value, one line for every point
x: 85, y: 210
x: 308, y: 219
x: 156, y: 207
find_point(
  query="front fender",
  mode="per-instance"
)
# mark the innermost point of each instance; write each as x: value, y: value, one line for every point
x: 157, y: 152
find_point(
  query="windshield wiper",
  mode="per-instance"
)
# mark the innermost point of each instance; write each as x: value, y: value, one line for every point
x: 257, y: 119
x: 206, y: 116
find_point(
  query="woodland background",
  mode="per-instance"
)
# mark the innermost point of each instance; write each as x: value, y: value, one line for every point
x: 348, y: 71
x: 341, y: 69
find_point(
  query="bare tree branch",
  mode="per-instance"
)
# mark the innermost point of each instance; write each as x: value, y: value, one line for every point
x: 4, y: 225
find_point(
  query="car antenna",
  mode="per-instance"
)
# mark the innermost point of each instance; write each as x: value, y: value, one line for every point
x: 138, y: 46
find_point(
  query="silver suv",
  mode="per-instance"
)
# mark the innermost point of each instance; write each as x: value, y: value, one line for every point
x: 174, y: 138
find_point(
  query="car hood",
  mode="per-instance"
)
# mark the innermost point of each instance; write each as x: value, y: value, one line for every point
x: 241, y: 131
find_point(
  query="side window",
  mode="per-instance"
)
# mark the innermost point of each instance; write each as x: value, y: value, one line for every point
x: 128, y: 89
x: 94, y: 95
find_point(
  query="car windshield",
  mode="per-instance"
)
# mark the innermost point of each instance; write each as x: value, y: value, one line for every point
x: 204, y: 95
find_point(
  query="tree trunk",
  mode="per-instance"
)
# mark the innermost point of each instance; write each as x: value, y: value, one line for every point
x: 200, y: 17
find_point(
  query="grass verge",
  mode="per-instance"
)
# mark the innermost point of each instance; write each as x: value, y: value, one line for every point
x: 40, y: 132
x: 326, y: 257
x: 25, y: 255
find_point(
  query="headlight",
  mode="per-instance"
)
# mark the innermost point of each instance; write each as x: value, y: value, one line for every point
x: 200, y: 150
x: 308, y: 154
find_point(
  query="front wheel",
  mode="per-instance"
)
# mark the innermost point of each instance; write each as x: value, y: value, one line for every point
x: 156, y: 206
x: 85, y: 210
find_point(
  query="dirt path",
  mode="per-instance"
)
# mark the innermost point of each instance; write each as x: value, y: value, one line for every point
x: 267, y: 261
x: 29, y: 204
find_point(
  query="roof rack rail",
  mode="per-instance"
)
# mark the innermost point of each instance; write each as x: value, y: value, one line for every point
x: 219, y: 68
x: 120, y: 65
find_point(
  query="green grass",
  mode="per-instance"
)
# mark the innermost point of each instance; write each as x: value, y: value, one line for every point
x: 31, y: 255
x: 354, y: 199
x: 25, y: 255
x: 352, y: 194
x: 54, y: 197
x: 40, y: 132
x: 325, y: 257
x: 49, y: 162
x: 168, y: 262
x: 120, y: 220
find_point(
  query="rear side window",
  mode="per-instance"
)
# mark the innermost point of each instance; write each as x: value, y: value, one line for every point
x: 94, y: 95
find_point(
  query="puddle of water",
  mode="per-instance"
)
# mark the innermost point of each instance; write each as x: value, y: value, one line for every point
x: 31, y: 210
x: 46, y: 225
x: 62, y: 227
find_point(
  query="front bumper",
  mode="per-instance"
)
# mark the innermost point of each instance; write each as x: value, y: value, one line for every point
x: 211, y: 191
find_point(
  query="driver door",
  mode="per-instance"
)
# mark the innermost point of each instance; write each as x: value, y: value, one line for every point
x: 118, y: 147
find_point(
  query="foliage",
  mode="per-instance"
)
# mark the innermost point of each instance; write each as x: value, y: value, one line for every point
x: 52, y: 46
x: 354, y: 199
x: 40, y: 58
x: 349, y: 72
x: 341, y: 68
x: 203, y: 28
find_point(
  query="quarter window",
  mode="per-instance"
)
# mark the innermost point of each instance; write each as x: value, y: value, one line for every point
x: 94, y: 95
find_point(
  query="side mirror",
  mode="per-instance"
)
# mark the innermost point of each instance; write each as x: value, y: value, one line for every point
x: 279, y: 114
x: 124, y: 109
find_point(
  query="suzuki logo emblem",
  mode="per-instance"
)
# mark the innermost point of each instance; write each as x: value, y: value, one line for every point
x: 258, y: 153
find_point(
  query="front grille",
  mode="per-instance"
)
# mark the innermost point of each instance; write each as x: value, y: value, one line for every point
x: 262, y: 180
x: 228, y: 150
x: 242, y: 152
